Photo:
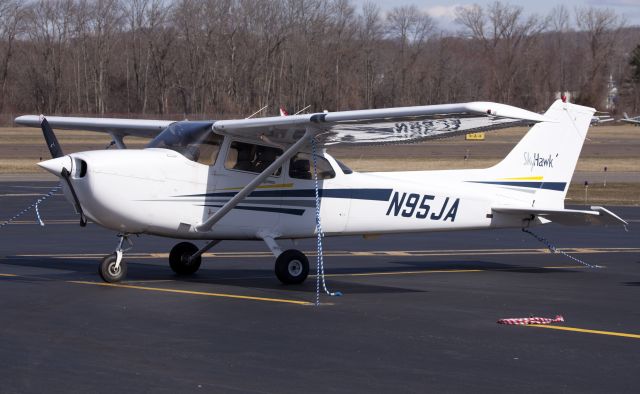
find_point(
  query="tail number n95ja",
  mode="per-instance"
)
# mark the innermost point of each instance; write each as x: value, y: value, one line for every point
x: 420, y: 206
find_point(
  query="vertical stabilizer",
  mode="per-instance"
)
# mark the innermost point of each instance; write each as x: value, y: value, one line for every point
x: 545, y: 159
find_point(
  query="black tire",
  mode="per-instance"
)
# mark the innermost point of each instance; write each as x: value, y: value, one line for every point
x: 109, y: 273
x: 179, y: 259
x: 292, y: 267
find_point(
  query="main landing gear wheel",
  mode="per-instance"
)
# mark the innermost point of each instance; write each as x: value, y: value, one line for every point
x: 179, y: 259
x: 108, y: 270
x: 292, y: 267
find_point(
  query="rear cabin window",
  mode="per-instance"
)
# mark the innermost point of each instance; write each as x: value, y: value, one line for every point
x: 301, y: 167
x: 251, y: 158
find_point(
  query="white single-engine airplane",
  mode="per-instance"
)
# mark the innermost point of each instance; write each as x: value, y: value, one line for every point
x: 253, y: 179
x: 634, y: 121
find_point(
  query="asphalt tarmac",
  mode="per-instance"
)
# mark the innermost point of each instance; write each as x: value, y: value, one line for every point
x: 418, y: 312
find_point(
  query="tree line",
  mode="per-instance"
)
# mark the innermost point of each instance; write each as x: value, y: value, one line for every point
x: 227, y: 58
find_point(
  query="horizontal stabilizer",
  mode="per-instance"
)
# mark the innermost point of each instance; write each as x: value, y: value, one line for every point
x: 569, y: 217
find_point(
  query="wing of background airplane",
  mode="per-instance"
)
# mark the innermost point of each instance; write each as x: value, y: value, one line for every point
x: 635, y: 120
x: 597, y: 120
x: 373, y: 126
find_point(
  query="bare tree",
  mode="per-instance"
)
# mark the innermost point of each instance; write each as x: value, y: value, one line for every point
x: 160, y: 36
x: 137, y: 55
x: 11, y: 16
x: 98, y: 24
x: 410, y: 27
x: 505, y: 36
x: 369, y: 36
x: 221, y: 58
x: 49, y: 28
x: 602, y: 28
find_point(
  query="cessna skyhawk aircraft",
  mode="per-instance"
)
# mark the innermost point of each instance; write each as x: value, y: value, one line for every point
x: 251, y: 179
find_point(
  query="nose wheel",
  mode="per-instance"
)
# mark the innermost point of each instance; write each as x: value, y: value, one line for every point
x: 110, y: 271
x: 112, y: 268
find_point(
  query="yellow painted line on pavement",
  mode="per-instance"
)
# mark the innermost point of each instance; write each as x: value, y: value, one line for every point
x: 199, y: 293
x: 587, y: 331
x: 27, y: 194
x: 8, y: 275
x: 54, y: 221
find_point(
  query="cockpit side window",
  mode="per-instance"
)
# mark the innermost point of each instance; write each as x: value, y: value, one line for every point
x: 251, y: 158
x: 301, y: 167
x: 209, y: 149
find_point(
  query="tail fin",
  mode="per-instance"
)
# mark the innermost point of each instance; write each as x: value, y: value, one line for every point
x: 625, y: 115
x: 545, y: 159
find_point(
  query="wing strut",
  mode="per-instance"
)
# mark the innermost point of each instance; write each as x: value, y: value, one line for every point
x: 220, y: 213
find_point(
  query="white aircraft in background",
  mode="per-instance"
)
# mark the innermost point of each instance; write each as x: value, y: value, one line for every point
x: 597, y: 120
x: 635, y: 120
x: 253, y: 179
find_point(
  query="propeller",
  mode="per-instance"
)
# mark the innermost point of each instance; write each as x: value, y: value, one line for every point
x: 50, y: 138
x: 56, y: 151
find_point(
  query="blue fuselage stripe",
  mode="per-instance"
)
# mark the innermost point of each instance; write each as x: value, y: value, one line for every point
x: 288, y: 211
x: 558, y: 186
x: 356, y: 194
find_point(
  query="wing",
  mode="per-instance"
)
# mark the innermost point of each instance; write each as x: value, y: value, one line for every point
x: 569, y: 217
x: 114, y: 126
x: 373, y: 126
x: 381, y: 126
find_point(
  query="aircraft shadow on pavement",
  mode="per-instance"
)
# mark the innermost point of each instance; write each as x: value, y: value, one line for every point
x: 477, y: 265
x: 79, y: 265
x: 138, y: 273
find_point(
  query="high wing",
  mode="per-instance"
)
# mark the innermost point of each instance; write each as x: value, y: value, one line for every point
x: 381, y: 126
x: 121, y: 127
x: 570, y: 217
x: 373, y: 126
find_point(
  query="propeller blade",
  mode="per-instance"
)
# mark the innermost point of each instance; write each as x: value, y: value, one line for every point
x: 50, y: 138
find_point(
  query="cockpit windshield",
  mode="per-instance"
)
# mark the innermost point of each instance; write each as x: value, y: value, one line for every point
x: 194, y: 140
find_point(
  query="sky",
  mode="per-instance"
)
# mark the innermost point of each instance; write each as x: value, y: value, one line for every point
x: 443, y: 11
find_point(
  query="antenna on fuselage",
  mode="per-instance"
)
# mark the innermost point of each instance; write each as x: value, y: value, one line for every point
x: 257, y: 112
x: 303, y: 109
